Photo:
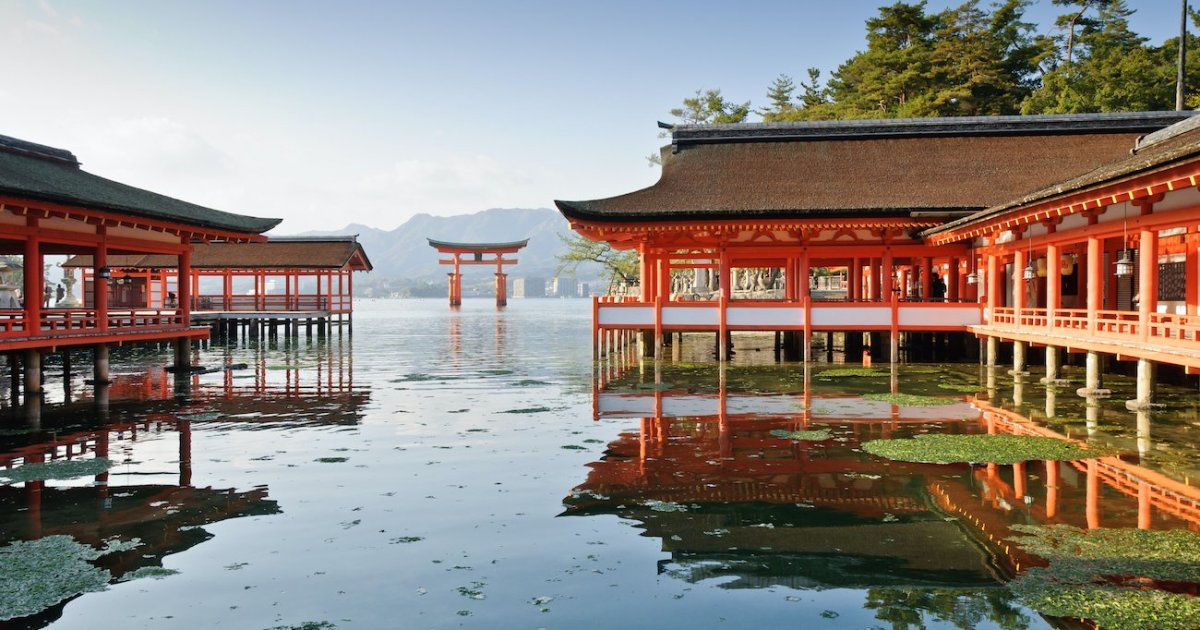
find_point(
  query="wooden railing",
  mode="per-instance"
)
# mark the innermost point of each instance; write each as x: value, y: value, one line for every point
x: 13, y: 323
x: 1167, y: 329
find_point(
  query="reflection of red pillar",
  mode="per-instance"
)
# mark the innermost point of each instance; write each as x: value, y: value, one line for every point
x: 1093, y: 494
x: 1143, y: 505
x: 102, y: 451
x: 1019, y: 480
x: 185, y: 452
x: 33, y: 497
x: 1052, y: 476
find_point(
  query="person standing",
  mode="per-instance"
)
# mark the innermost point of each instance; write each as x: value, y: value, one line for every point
x: 47, y: 294
x: 59, y: 294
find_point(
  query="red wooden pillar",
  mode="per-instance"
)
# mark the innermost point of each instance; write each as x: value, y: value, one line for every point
x: 1018, y: 283
x: 1147, y: 278
x: 952, y: 283
x: 1192, y: 274
x: 926, y: 279
x: 993, y: 285
x: 185, y: 285
x: 886, y: 276
x: 1095, y: 281
x: 1053, y: 283
x: 100, y: 284
x: 855, y: 280
x: 32, y: 286
x: 802, y: 270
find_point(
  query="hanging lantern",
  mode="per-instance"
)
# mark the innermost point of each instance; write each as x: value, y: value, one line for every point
x: 1067, y: 265
x: 1030, y: 274
x: 972, y: 278
x: 1124, y: 264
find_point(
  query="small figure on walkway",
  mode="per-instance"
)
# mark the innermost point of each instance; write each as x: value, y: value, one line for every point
x: 172, y: 302
x: 937, y: 290
x: 59, y: 294
x: 47, y: 295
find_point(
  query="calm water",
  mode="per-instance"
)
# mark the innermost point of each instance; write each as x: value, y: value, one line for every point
x: 444, y: 469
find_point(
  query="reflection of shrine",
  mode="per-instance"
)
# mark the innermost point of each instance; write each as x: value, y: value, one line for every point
x: 164, y: 511
x: 730, y: 499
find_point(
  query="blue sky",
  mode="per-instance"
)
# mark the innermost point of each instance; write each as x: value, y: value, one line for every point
x: 327, y: 113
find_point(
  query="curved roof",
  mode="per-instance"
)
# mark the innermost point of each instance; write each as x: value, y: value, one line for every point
x: 1172, y: 146
x: 41, y: 173
x: 278, y: 253
x: 875, y: 168
x: 481, y: 247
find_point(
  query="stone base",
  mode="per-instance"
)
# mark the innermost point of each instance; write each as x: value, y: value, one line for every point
x: 1096, y: 393
x: 1018, y: 373
x: 1054, y: 382
x: 1139, y: 405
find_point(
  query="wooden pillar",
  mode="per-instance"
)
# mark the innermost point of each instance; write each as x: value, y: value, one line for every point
x: 1147, y: 279
x: 33, y: 369
x: 227, y: 289
x: 100, y: 373
x: 1018, y: 282
x: 1053, y: 284
x: 723, y: 305
x: 501, y: 289
x: 855, y: 280
x: 100, y: 284
x: 1191, y: 272
x: 32, y: 287
x: 953, y: 277
x: 1095, y: 281
x: 926, y: 279
x: 185, y: 285
x: 993, y: 285
x: 887, y: 276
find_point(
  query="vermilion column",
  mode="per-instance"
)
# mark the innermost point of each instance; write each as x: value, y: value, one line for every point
x: 926, y: 278
x: 1053, y: 283
x: 953, y: 276
x: 1095, y: 281
x: 855, y: 280
x: 185, y: 285
x: 886, y: 272
x: 1147, y: 277
x: 100, y: 285
x: 1018, y: 280
x: 1192, y: 292
x: 33, y: 282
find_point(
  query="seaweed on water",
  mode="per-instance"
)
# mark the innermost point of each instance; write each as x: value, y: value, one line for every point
x: 66, y: 469
x: 814, y: 435
x: 1107, y: 575
x: 911, y: 400
x: 41, y: 573
x: 528, y: 410
x: 331, y: 460
x: 978, y: 449
x: 851, y: 372
x: 156, y: 573
x: 965, y: 388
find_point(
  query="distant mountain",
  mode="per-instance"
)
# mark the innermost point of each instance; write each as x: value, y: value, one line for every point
x: 404, y: 254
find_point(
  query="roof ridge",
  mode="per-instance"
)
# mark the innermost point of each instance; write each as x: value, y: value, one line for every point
x: 18, y: 146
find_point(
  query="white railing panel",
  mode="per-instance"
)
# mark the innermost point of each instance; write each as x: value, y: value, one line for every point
x: 845, y: 316
x: 940, y: 316
x: 691, y: 316
x: 768, y: 316
x: 626, y: 316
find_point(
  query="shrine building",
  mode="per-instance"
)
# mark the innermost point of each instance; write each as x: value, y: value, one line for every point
x: 49, y: 206
x: 938, y: 225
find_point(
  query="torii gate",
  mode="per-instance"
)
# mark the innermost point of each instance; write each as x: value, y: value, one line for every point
x: 476, y: 252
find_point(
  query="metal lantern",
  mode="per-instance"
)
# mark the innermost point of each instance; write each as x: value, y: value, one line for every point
x: 1030, y: 274
x: 1124, y: 264
x: 972, y: 278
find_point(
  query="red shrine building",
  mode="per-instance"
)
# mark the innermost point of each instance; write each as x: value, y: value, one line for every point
x: 1073, y: 232
x: 49, y: 206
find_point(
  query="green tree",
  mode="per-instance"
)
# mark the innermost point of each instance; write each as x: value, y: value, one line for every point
x: 708, y: 107
x: 780, y: 97
x: 621, y: 267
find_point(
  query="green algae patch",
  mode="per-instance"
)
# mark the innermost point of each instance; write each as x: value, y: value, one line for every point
x: 1108, y: 575
x: 41, y: 573
x: 965, y: 388
x: 66, y: 469
x: 911, y: 400
x: 978, y: 449
x: 528, y: 410
x: 814, y: 435
x: 156, y: 573
x: 851, y: 373
x: 308, y: 625
x: 331, y: 460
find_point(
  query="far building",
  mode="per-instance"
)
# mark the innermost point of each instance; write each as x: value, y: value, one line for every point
x: 530, y: 287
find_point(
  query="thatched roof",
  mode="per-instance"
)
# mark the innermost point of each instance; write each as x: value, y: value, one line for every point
x: 1167, y: 148
x: 849, y: 169
x: 278, y: 253
x: 40, y: 173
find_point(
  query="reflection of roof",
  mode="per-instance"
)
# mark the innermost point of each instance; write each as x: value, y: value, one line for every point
x: 42, y: 173
x: 844, y: 169
x: 324, y: 253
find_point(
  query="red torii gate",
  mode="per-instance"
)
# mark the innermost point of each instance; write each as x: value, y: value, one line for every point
x: 476, y: 251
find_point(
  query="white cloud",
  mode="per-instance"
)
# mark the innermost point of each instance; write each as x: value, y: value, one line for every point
x: 152, y: 148
x: 454, y: 183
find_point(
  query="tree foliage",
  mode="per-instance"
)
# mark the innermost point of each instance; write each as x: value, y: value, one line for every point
x: 976, y: 60
x: 621, y: 267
